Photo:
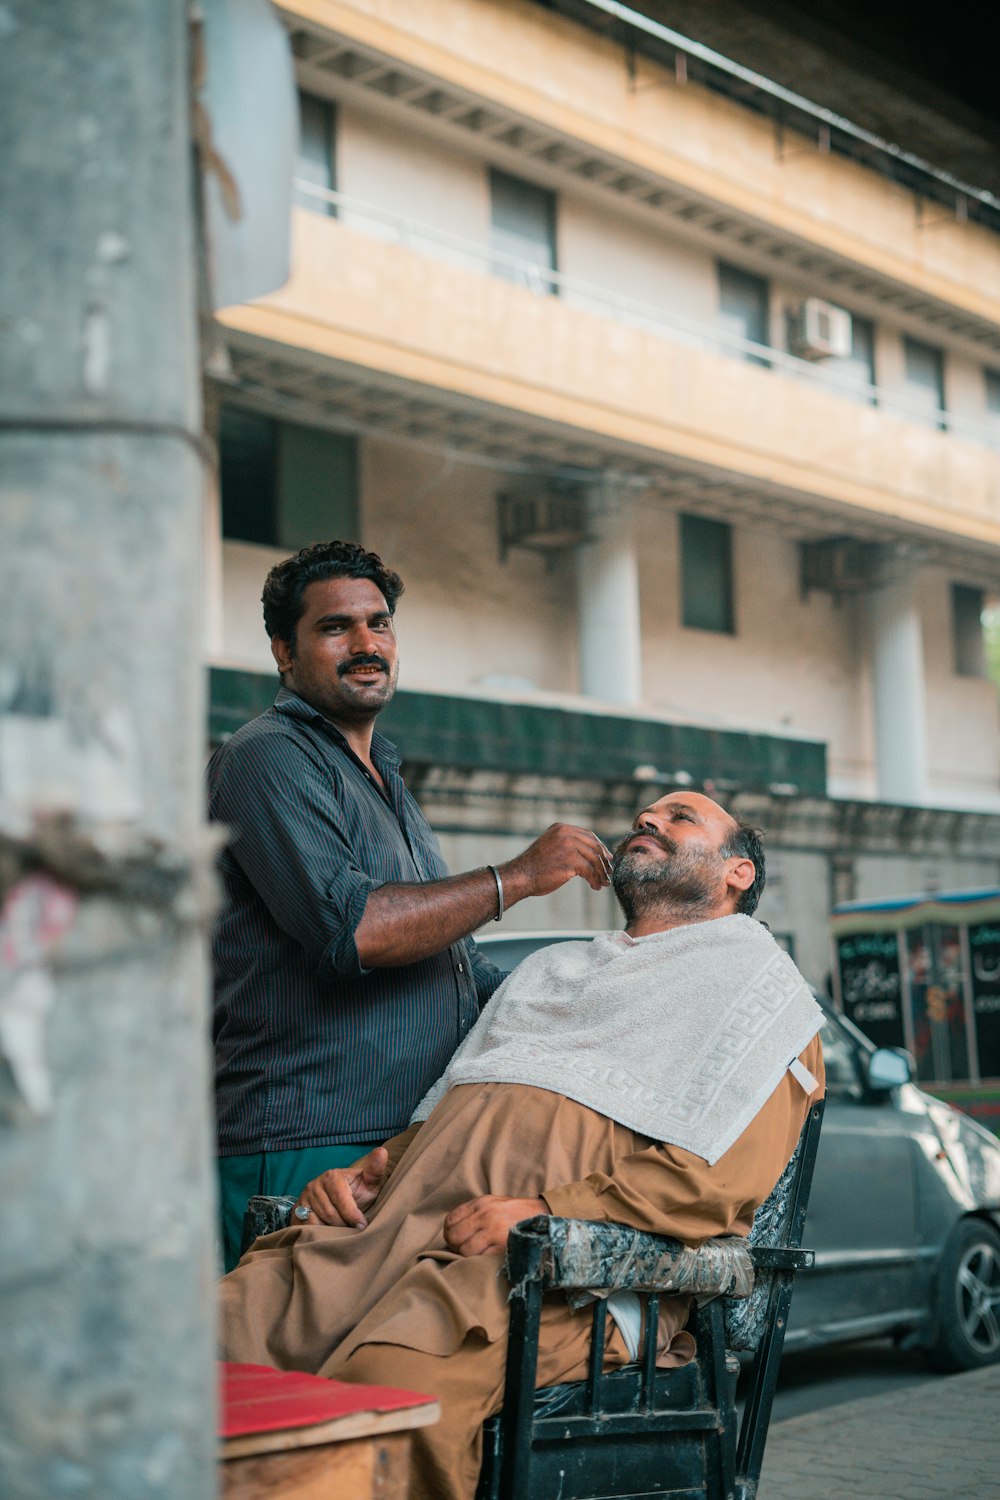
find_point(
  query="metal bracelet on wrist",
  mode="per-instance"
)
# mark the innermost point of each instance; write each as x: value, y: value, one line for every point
x: 496, y: 877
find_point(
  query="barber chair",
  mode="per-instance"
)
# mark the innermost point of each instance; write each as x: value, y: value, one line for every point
x: 639, y: 1431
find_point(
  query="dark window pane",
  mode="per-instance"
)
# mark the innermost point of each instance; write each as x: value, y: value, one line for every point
x: 524, y: 226
x: 317, y: 487
x: 248, y: 449
x: 284, y: 485
x: 924, y: 367
x: 743, y: 307
x: 859, y: 367
x: 992, y: 391
x: 315, y: 162
x: 967, y: 606
x: 706, y: 574
x: 839, y: 1063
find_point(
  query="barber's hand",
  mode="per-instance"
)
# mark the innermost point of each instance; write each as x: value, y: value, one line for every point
x: 341, y: 1195
x: 483, y: 1224
x: 561, y: 852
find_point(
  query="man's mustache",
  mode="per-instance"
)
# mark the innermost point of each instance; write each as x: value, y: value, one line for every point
x: 664, y: 840
x: 362, y: 661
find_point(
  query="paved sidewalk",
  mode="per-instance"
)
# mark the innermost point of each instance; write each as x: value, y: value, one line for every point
x: 936, y: 1442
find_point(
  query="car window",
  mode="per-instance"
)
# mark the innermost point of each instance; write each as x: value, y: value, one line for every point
x: 842, y: 1080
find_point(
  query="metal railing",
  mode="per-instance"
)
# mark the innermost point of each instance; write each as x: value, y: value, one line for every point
x: 442, y: 244
x: 689, y: 59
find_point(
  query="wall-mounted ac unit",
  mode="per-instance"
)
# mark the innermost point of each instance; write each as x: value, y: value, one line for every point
x: 547, y: 519
x: 840, y: 565
x: 822, y: 331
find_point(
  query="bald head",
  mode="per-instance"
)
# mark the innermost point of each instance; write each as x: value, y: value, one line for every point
x: 707, y: 812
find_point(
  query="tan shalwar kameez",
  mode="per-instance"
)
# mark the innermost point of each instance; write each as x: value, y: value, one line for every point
x: 392, y: 1305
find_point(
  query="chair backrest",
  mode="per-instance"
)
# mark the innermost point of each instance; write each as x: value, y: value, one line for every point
x: 773, y: 1224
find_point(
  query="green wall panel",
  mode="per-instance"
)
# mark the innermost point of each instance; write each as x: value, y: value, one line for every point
x: 479, y: 734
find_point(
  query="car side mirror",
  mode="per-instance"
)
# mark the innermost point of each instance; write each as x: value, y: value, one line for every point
x: 889, y: 1068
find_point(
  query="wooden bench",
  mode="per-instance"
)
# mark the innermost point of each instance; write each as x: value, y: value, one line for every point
x: 284, y: 1435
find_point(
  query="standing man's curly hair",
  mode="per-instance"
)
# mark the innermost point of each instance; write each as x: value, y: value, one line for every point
x: 287, y: 582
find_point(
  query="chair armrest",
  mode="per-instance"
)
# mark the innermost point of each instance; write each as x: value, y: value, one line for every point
x: 264, y: 1215
x: 778, y: 1258
x: 576, y: 1254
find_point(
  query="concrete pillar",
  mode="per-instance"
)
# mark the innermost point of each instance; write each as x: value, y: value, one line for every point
x: 900, y: 699
x: 608, y: 601
x: 107, y: 1261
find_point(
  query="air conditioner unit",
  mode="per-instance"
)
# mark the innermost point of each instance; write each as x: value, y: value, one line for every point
x: 840, y: 565
x: 548, y: 520
x: 822, y: 331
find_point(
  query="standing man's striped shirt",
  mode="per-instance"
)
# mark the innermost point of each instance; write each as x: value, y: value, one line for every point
x: 311, y: 1048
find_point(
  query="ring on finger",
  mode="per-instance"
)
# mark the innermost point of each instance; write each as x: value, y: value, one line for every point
x: 302, y: 1211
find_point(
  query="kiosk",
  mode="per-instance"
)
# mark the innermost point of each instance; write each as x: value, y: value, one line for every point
x: 923, y: 972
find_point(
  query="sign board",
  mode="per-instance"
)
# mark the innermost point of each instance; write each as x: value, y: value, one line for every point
x: 984, y: 949
x: 871, y: 985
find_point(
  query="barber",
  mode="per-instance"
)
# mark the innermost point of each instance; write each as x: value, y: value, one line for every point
x: 345, y: 975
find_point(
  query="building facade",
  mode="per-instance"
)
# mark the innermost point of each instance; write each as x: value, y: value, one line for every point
x: 681, y: 422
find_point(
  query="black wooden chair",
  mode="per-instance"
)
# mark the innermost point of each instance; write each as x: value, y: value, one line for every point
x: 640, y: 1431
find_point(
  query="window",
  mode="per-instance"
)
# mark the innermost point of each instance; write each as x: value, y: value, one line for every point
x: 743, y: 307
x: 284, y: 485
x: 924, y: 368
x: 248, y: 471
x: 839, y: 1059
x: 992, y: 382
x: 857, y: 371
x: 316, y: 163
x: 992, y: 378
x: 706, y: 575
x: 967, y: 605
x: 523, y: 226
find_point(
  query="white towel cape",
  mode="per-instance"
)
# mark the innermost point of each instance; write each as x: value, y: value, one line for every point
x: 681, y: 1036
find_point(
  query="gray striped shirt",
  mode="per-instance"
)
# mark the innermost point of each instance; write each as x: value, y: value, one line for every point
x: 311, y: 1048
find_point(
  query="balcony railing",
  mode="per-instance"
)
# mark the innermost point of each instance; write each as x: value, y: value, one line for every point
x: 385, y: 224
x: 688, y: 59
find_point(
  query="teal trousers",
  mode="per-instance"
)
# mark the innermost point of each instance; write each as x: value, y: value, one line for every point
x: 275, y: 1173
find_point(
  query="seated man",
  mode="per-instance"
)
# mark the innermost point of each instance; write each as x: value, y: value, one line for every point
x: 657, y: 1077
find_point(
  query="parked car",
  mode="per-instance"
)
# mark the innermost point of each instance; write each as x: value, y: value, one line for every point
x: 904, y: 1215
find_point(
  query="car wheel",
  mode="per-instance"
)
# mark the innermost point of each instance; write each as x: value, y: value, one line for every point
x: 968, y: 1299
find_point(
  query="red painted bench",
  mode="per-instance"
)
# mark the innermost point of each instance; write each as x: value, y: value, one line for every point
x: 285, y: 1434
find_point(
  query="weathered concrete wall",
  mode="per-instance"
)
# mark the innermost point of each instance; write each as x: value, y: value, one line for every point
x: 106, y: 1376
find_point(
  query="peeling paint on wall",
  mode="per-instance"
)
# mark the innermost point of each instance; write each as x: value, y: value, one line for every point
x: 34, y: 916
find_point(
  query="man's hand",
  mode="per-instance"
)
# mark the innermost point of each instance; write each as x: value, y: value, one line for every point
x: 341, y: 1195
x: 401, y: 924
x: 561, y: 852
x: 483, y: 1224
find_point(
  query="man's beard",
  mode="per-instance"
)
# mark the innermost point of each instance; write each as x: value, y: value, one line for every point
x: 341, y: 700
x: 681, y: 881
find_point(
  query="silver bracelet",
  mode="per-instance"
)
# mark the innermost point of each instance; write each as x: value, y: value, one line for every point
x: 496, y: 877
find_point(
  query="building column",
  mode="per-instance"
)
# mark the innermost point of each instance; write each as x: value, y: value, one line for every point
x: 107, y: 1360
x: 900, y: 697
x: 607, y: 584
